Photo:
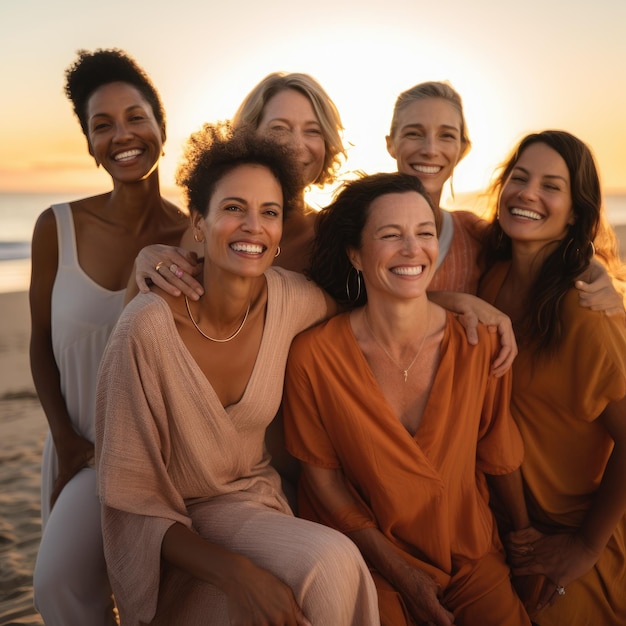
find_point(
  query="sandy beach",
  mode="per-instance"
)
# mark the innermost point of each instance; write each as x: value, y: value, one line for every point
x: 22, y: 430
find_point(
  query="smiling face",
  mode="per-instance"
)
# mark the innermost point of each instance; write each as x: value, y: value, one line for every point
x: 124, y: 136
x: 244, y: 222
x: 535, y: 205
x: 399, y: 246
x: 427, y: 142
x: 289, y: 118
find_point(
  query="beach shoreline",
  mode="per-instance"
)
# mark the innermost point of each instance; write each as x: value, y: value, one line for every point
x: 22, y: 431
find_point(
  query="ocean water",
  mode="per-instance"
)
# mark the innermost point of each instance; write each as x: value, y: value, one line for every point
x: 19, y: 212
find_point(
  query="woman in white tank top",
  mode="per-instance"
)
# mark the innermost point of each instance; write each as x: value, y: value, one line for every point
x: 82, y: 257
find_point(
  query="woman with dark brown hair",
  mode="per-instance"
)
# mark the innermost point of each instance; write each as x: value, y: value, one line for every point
x: 569, y: 382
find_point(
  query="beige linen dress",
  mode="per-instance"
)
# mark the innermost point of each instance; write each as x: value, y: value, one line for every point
x: 168, y: 451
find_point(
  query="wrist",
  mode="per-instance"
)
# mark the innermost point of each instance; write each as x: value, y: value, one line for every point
x: 589, y: 545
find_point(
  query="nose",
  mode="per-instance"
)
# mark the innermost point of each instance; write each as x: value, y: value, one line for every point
x: 252, y: 223
x: 528, y: 191
x: 298, y: 142
x: 428, y: 145
x: 122, y: 131
x: 411, y: 245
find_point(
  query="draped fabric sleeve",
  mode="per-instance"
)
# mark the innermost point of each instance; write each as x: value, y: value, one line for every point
x: 304, y: 300
x: 500, y: 448
x: 601, y: 378
x: 132, y: 449
x: 307, y: 438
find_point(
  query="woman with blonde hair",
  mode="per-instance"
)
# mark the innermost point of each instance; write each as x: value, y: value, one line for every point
x: 428, y: 137
x: 293, y: 109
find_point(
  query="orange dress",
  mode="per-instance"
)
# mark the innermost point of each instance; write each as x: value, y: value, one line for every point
x: 459, y: 268
x: 556, y: 403
x: 420, y: 491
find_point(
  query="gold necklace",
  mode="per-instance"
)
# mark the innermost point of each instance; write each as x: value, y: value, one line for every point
x: 380, y: 344
x: 245, y: 317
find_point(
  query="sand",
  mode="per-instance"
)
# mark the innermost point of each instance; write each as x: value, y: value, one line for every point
x: 22, y: 430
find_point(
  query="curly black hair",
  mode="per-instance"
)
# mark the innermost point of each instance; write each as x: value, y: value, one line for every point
x: 93, y: 69
x: 216, y: 149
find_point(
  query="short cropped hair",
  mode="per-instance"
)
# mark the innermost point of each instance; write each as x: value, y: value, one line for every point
x: 94, y: 69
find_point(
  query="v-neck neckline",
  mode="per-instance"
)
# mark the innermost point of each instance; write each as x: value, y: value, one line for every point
x: 254, y: 375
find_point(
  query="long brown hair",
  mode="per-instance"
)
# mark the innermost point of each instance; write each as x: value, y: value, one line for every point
x: 589, y: 233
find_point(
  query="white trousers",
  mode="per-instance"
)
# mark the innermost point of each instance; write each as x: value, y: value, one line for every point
x: 70, y: 581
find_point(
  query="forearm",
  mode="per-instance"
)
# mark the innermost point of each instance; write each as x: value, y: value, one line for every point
x: 510, y: 491
x: 451, y: 300
x: 379, y: 553
x: 609, y: 504
x: 341, y: 508
x: 186, y: 550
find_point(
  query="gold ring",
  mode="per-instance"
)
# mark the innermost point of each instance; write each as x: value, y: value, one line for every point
x: 159, y: 265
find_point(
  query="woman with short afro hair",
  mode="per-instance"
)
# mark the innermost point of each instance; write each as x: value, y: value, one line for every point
x: 82, y: 256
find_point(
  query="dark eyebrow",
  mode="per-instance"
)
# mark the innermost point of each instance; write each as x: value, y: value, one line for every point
x: 421, y: 225
x: 126, y: 110
x: 242, y: 201
x: 555, y: 176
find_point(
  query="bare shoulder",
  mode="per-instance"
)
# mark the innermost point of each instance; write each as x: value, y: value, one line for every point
x: 46, y: 222
x: 44, y: 240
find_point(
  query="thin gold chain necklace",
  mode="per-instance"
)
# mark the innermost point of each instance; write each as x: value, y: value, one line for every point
x: 245, y: 317
x: 380, y: 344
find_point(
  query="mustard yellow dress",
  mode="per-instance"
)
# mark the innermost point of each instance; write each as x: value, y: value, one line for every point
x: 556, y: 404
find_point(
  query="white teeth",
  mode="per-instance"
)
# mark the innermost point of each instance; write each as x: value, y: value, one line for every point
x: 427, y: 169
x: 129, y: 154
x: 531, y: 215
x: 408, y: 271
x: 249, y: 248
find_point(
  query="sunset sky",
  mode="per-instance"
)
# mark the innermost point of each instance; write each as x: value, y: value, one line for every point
x: 520, y: 67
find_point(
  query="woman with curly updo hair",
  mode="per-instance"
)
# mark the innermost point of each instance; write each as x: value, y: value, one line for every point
x: 196, y: 527
x: 82, y: 256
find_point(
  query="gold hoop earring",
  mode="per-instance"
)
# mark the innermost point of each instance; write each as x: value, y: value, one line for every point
x: 567, y: 246
x: 277, y: 251
x: 358, y: 285
x: 197, y: 237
